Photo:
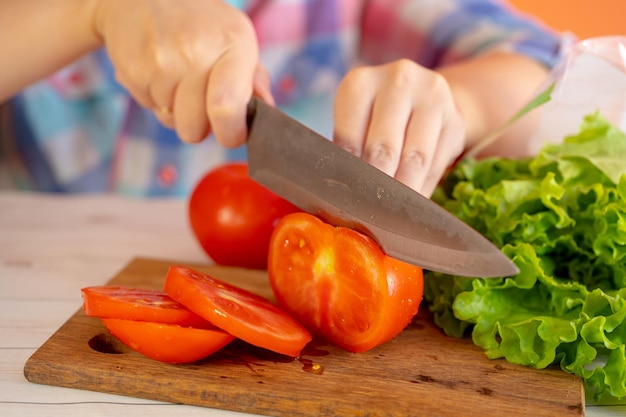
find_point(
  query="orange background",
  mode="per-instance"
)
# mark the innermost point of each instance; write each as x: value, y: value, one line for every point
x: 584, y: 18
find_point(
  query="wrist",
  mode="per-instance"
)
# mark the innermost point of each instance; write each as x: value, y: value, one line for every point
x: 467, y: 105
x: 489, y: 90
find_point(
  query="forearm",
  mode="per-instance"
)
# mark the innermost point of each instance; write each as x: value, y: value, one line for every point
x: 38, y: 37
x: 488, y: 91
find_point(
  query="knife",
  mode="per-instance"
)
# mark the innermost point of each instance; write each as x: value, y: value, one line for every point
x: 327, y: 181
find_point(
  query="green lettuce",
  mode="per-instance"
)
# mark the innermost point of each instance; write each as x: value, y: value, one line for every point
x: 561, y: 217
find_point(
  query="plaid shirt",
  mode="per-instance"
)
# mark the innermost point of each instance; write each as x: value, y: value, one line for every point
x: 79, y: 131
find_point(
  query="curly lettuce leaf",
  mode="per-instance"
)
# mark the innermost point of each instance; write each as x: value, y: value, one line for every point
x: 561, y: 217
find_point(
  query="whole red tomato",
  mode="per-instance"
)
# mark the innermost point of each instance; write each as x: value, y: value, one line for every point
x: 233, y: 217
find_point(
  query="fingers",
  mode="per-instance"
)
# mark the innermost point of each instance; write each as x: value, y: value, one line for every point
x: 191, y: 119
x: 352, y: 110
x: 229, y: 90
x: 217, y: 99
x: 152, y: 80
x: 214, y: 99
x: 400, y: 118
x: 385, y: 139
x: 195, y: 66
x: 424, y: 161
x: 192, y: 114
x: 421, y: 138
x: 162, y: 92
x: 139, y: 90
x: 450, y: 147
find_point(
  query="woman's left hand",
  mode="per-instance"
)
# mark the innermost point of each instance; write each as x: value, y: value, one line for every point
x: 401, y: 118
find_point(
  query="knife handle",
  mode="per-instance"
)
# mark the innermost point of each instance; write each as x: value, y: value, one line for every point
x: 251, y: 111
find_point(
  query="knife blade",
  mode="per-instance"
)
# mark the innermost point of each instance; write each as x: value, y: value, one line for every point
x: 325, y: 180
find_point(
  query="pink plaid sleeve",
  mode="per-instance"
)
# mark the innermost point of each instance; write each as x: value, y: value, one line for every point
x: 438, y: 32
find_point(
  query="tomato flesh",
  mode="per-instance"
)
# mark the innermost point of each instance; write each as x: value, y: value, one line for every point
x: 239, y: 312
x: 168, y: 343
x: 140, y: 304
x: 340, y: 284
x: 233, y: 217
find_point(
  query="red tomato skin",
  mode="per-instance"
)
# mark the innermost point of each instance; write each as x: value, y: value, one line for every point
x: 340, y: 284
x: 168, y: 343
x: 141, y: 304
x: 245, y: 315
x: 233, y: 217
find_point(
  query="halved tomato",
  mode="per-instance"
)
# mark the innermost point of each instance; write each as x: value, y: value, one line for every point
x: 340, y: 284
x: 168, y: 343
x: 119, y: 302
x: 239, y: 312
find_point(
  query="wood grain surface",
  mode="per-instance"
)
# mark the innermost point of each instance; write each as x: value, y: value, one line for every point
x: 421, y: 372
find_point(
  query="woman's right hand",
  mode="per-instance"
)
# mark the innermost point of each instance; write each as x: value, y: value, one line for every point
x: 194, y: 63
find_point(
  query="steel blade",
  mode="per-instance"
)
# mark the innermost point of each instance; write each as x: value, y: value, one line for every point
x: 323, y: 179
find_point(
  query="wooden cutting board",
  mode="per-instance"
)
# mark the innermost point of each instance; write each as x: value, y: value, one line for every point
x: 420, y: 372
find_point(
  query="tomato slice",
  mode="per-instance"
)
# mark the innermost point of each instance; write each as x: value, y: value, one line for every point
x: 169, y: 343
x: 340, y: 284
x: 241, y: 313
x: 129, y: 303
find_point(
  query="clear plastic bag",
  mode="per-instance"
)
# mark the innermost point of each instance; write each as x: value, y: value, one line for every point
x: 590, y: 78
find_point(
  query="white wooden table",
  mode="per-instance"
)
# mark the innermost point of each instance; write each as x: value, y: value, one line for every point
x: 50, y: 247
